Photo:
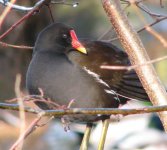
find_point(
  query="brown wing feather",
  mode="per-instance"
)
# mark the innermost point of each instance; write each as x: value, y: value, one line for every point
x: 123, y: 82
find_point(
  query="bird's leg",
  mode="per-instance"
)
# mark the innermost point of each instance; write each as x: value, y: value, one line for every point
x: 65, y: 119
x: 103, y: 134
x: 66, y: 123
x: 85, y: 140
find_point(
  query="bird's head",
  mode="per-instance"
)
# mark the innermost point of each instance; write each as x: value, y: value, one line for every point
x: 60, y: 38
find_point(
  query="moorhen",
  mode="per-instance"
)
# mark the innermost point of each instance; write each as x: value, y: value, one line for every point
x: 66, y: 69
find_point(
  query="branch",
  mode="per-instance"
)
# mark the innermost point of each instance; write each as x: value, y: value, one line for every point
x: 21, y: 108
x: 16, y: 108
x: 138, y: 3
x: 27, y: 9
x: 137, y: 54
x: 151, y: 24
x: 33, y: 126
x: 132, y: 66
x: 146, y: 10
x: 21, y: 8
x: 87, y: 111
x: 35, y: 9
x: 6, y: 12
x: 15, y: 46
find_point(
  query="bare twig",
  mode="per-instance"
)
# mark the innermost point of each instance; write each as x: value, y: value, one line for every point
x: 133, y: 66
x: 34, y: 10
x: 104, y: 34
x: 74, y: 4
x: 5, y: 12
x: 39, y: 98
x: 157, y: 17
x: 151, y: 24
x: 21, y: 107
x: 15, y: 107
x: 22, y: 8
x: 27, y: 132
x: 50, y: 11
x: 32, y: 127
x: 145, y: 27
x: 154, y: 16
x: 149, y: 12
x: 158, y: 36
x: 15, y: 46
x: 87, y: 111
x: 28, y: 9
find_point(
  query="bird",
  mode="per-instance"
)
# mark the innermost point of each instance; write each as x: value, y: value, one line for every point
x: 67, y: 68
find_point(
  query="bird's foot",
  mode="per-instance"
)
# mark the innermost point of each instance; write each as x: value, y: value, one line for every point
x: 65, y: 121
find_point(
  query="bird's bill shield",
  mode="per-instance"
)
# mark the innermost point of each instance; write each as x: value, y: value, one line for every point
x: 76, y: 44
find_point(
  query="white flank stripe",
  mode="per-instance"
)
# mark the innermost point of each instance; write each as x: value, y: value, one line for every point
x: 96, y: 76
x: 110, y: 92
x: 113, y: 93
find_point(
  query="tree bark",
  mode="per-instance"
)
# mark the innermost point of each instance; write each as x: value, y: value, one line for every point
x: 137, y: 54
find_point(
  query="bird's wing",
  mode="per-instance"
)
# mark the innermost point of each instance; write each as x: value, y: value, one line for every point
x: 125, y: 83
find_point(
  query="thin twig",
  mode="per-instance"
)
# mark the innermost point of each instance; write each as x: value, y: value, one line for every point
x: 27, y: 132
x: 50, y: 11
x: 15, y: 46
x: 104, y: 34
x: 146, y: 10
x: 154, y: 16
x: 21, y: 107
x: 37, y: 7
x: 28, y: 9
x: 158, y: 17
x: 133, y: 66
x: 19, y: 7
x: 73, y: 4
x: 6, y: 12
x: 153, y: 23
x: 158, y: 36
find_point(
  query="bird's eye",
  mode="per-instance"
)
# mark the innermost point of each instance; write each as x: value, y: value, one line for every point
x: 64, y: 36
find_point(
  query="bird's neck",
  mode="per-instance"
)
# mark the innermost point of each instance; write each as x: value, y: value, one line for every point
x: 54, y: 48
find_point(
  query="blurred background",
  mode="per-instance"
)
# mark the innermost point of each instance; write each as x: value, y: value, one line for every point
x: 89, y: 21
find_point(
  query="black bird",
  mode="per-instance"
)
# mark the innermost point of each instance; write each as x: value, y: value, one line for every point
x: 65, y: 70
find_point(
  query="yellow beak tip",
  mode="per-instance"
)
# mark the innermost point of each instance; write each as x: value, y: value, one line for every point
x: 82, y: 50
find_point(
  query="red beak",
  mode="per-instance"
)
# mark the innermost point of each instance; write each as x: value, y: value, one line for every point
x: 76, y: 44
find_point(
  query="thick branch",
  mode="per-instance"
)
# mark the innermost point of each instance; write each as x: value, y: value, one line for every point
x: 137, y: 55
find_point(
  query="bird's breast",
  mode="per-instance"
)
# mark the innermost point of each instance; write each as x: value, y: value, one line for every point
x: 62, y: 81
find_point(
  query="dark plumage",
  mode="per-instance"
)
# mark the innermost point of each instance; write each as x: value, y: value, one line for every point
x: 63, y: 73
